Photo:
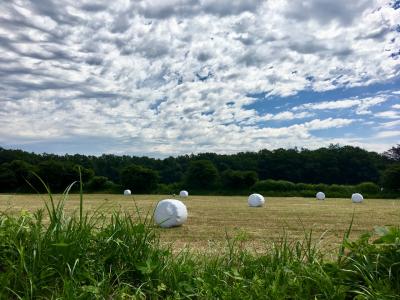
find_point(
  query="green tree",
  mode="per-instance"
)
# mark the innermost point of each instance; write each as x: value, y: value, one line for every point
x: 23, y: 173
x: 391, y: 177
x: 238, y: 179
x: 201, y: 174
x: 98, y: 183
x: 58, y: 175
x: 8, y: 179
x: 170, y: 171
x: 393, y: 153
x: 139, y: 179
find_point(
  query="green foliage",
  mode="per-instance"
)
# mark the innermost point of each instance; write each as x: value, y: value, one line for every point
x: 238, y: 179
x: 391, y: 177
x: 58, y: 174
x: 393, y: 153
x: 8, y: 179
x: 100, y: 183
x: 71, y: 257
x: 14, y: 175
x: 201, y: 174
x: 171, y: 171
x: 274, y: 185
x: 286, y: 188
x: 139, y: 179
x: 344, y: 166
x: 372, y: 267
x: 337, y: 190
x: 368, y: 188
x: 169, y: 189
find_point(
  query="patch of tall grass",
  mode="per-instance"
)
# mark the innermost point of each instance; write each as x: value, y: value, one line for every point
x: 52, y: 255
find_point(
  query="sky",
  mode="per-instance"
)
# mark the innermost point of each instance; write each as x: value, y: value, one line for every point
x: 172, y: 77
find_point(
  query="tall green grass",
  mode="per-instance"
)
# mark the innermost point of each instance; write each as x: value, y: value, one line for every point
x: 52, y: 255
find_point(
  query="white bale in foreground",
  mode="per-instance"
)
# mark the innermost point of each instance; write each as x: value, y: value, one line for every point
x: 183, y: 193
x: 357, y: 198
x: 320, y: 196
x: 170, y: 213
x: 256, y: 200
x: 127, y: 192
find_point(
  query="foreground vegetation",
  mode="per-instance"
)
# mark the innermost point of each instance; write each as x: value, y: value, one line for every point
x: 51, y: 254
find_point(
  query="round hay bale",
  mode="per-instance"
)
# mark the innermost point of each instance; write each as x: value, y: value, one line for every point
x: 357, y: 198
x: 256, y: 200
x: 184, y: 194
x: 320, y: 196
x: 127, y: 192
x: 170, y: 213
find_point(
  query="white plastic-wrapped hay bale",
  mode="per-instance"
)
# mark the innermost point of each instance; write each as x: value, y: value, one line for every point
x: 357, y: 198
x: 170, y: 213
x: 127, y: 192
x: 256, y: 200
x: 320, y: 196
x: 184, y: 194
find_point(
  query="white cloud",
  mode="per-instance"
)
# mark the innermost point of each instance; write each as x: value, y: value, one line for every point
x: 390, y: 125
x: 169, y: 77
x: 285, y: 115
x: 396, y: 106
x: 327, y: 123
x: 390, y: 114
x: 387, y: 134
x: 329, y: 105
x: 362, y: 105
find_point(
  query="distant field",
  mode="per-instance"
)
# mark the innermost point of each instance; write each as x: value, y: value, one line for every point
x: 211, y: 217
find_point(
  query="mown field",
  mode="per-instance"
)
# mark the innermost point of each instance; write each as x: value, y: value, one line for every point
x: 211, y: 218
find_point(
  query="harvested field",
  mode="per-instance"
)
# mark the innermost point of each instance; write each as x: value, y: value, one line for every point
x: 212, y: 217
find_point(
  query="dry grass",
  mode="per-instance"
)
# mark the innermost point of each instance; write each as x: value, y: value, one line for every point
x: 211, y: 217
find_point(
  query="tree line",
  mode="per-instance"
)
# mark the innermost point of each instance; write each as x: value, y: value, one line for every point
x: 281, y: 170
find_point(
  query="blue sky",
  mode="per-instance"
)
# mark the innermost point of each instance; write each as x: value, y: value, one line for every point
x: 171, y: 77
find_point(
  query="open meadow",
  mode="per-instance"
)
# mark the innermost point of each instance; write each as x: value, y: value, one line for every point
x: 211, y: 218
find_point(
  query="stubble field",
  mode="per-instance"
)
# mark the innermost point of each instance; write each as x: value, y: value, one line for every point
x: 212, y: 218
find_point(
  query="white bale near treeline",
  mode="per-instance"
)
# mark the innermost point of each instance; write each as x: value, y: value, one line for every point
x: 184, y: 194
x: 127, y: 192
x: 256, y: 200
x: 320, y: 196
x: 357, y: 198
x: 170, y: 213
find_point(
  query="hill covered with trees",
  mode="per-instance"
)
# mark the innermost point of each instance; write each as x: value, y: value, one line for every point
x: 281, y: 171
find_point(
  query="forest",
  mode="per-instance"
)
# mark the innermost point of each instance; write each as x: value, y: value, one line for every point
x: 336, y: 169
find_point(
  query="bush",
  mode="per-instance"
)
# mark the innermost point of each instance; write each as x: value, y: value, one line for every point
x: 274, y: 186
x: 369, y: 188
x: 168, y: 189
x: 320, y: 187
x: 100, y: 183
x: 339, y: 191
x: 307, y: 193
x: 306, y: 187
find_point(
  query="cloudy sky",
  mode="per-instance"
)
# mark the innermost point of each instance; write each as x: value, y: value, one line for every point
x: 169, y: 77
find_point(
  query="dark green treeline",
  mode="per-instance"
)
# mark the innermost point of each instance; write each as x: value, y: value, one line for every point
x: 205, y: 172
